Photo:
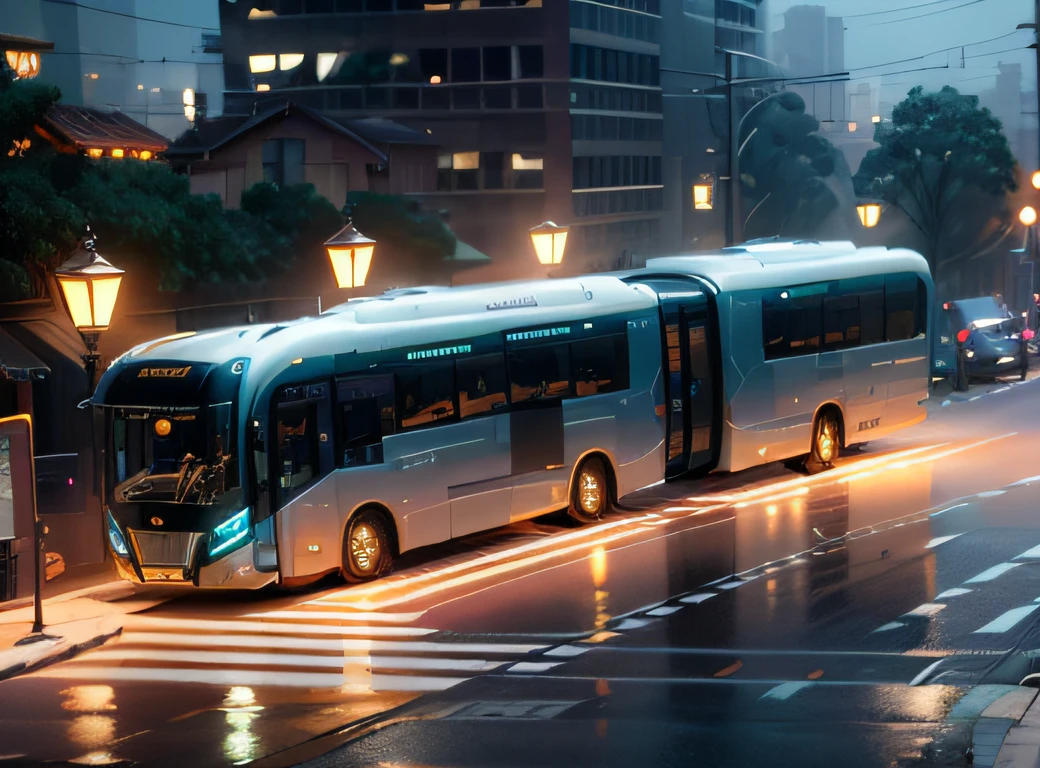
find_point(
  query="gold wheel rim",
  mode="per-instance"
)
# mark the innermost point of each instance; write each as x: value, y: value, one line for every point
x: 590, y: 492
x: 827, y: 441
x: 364, y: 547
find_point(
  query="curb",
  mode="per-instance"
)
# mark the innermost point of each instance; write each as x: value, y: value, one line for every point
x: 61, y: 651
x: 992, y: 741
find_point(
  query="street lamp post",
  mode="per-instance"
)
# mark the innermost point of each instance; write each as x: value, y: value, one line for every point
x: 549, y: 241
x: 90, y: 285
x: 350, y: 253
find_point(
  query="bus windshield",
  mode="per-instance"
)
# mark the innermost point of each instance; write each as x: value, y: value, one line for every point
x: 181, y: 456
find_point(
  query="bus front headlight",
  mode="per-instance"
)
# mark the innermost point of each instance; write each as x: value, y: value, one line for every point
x: 229, y: 533
x: 115, y: 538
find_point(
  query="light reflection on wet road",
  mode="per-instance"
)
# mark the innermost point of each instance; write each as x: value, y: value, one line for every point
x: 751, y: 573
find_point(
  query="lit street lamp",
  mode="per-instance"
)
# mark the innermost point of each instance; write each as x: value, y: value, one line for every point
x: 1035, y: 180
x: 1027, y: 216
x: 869, y: 214
x: 90, y: 285
x: 549, y: 241
x: 351, y: 254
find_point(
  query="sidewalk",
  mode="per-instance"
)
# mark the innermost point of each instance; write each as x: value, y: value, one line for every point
x: 1008, y: 733
x: 74, y: 622
x: 943, y: 395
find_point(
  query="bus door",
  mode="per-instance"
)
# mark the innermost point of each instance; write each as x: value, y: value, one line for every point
x: 692, y: 388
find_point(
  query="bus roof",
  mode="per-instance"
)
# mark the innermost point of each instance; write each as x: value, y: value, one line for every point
x: 401, y: 318
x: 779, y: 263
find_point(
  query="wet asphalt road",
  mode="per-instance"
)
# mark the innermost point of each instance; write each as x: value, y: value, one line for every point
x: 866, y: 615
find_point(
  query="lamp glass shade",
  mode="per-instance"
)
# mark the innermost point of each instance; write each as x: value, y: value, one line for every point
x: 702, y: 197
x: 869, y: 214
x: 1027, y: 216
x: 90, y: 286
x: 550, y: 242
x: 1035, y: 180
x: 351, y: 255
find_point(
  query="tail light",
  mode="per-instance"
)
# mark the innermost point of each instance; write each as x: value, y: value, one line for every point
x: 1027, y: 334
x: 962, y: 336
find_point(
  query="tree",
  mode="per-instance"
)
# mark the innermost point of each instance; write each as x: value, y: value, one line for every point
x: 946, y: 164
x: 795, y: 183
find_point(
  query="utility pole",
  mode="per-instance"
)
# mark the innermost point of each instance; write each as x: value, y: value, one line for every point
x: 734, y: 218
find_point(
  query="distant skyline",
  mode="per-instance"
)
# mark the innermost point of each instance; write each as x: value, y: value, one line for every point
x: 893, y: 30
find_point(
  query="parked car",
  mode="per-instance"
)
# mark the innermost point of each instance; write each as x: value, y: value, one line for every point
x: 993, y: 338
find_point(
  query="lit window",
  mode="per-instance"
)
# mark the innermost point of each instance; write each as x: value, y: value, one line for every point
x: 145, y: 155
x: 465, y: 161
x: 264, y: 62
x: 702, y: 197
x: 256, y: 13
x: 117, y: 153
x: 852, y: 127
x: 435, y: 80
x: 156, y: 90
x: 188, y: 97
x: 95, y: 153
x: 286, y: 61
x: 140, y: 86
x: 399, y: 60
x: 92, y: 75
x: 326, y: 61
x: 261, y: 87
x: 521, y: 163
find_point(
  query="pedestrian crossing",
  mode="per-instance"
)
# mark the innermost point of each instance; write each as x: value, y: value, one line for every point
x: 313, y: 646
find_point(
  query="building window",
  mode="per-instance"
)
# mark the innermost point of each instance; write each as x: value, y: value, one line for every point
x: 283, y: 161
x: 527, y: 171
x: 465, y: 65
x: 792, y: 322
x: 593, y: 63
x: 905, y: 302
x: 297, y: 447
x: 366, y: 416
x: 494, y: 169
x: 613, y: 171
x: 458, y: 171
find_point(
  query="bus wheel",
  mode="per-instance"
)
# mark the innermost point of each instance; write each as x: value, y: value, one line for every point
x: 366, y: 547
x: 826, y: 444
x: 590, y: 498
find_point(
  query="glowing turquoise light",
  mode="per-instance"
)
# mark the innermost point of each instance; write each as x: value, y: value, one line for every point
x: 115, y: 538
x: 230, y: 532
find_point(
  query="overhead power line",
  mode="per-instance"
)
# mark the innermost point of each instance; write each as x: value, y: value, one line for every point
x: 926, y: 15
x: 131, y: 16
x: 896, y: 10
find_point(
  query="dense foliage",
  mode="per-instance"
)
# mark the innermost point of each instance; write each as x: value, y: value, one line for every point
x: 146, y: 218
x: 946, y: 164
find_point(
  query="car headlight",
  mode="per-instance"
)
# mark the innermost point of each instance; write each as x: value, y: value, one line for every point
x: 229, y: 533
x: 115, y: 538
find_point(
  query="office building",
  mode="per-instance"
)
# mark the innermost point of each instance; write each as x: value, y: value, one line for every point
x: 542, y: 109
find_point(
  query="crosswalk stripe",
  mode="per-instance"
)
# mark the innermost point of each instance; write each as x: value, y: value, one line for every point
x: 1007, y: 620
x: 991, y: 573
x: 1029, y: 553
x: 323, y: 644
x: 271, y: 627
x: 382, y: 618
x: 941, y: 540
x: 955, y: 592
x: 381, y: 663
x: 784, y: 691
x: 251, y: 678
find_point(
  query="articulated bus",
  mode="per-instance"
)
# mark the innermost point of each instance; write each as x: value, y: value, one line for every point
x: 281, y: 453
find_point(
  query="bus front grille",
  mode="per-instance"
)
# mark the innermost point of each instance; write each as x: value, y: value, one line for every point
x: 174, y: 549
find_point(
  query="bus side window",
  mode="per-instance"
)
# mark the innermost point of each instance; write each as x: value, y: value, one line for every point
x: 481, y: 382
x: 901, y: 322
x: 538, y: 372
x: 600, y: 366
x: 366, y: 416
x: 425, y: 393
x: 297, y: 436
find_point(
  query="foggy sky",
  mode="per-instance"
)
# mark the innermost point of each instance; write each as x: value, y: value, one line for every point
x: 885, y: 37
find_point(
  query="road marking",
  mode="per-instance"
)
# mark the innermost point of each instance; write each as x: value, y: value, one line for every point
x: 783, y: 692
x: 941, y: 540
x: 991, y: 494
x: 973, y: 399
x: 534, y: 666
x: 1024, y: 481
x: 343, y: 645
x: 1007, y: 620
x: 926, y: 609
x: 890, y: 626
x: 698, y: 598
x: 566, y: 651
x: 628, y: 624
x: 253, y: 678
x: 388, y: 618
x: 1030, y: 553
x: 222, y: 658
x: 941, y: 511
x: 664, y: 611
x: 955, y: 592
x: 271, y: 627
x: 991, y: 573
